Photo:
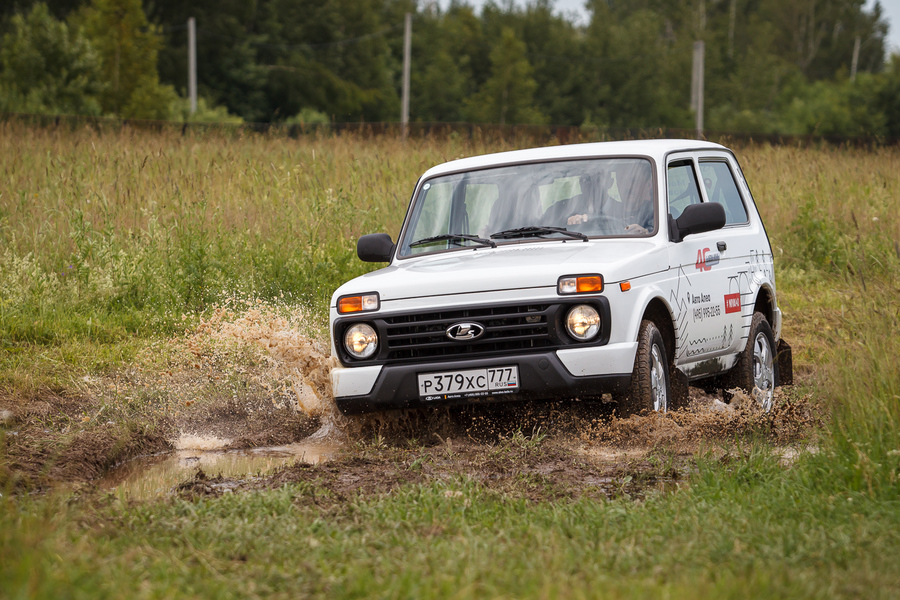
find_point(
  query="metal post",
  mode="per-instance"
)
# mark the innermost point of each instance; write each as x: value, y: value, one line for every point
x: 407, y: 52
x: 192, y: 63
x: 697, y: 86
x: 732, y: 17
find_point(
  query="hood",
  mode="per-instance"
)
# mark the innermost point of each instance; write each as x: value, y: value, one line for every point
x: 508, y: 267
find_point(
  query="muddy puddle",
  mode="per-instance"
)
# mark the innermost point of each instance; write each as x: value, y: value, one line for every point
x: 147, y: 477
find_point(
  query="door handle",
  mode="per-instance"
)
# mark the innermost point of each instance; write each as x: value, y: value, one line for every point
x: 722, y: 246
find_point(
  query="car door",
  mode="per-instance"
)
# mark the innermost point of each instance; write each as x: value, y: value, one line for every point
x: 745, y: 258
x: 706, y: 328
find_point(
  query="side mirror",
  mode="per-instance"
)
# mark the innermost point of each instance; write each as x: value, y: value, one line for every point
x: 376, y: 247
x: 697, y: 218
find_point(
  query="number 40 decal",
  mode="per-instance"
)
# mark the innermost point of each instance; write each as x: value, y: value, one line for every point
x: 705, y: 260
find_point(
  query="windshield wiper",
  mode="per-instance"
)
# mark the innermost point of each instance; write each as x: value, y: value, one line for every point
x: 536, y: 230
x: 450, y: 237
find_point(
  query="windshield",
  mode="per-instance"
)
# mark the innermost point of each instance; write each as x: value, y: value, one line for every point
x: 557, y: 200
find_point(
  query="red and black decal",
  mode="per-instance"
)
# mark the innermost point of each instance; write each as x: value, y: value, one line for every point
x: 732, y: 303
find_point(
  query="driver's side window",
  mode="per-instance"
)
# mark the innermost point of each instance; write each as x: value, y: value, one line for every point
x: 682, y: 187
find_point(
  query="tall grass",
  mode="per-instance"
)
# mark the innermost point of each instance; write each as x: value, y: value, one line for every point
x: 159, y: 224
x: 104, y: 235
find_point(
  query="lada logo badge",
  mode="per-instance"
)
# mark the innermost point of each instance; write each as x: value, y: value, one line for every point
x: 465, y: 331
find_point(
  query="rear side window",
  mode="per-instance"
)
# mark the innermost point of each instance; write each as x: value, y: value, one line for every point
x: 721, y: 187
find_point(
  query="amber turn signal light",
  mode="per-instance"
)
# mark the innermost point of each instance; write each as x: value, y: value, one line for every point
x: 580, y: 284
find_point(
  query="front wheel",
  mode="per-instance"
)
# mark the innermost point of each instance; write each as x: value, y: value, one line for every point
x: 754, y: 371
x: 650, y: 388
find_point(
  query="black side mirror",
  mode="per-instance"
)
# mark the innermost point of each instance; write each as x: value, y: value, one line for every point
x: 376, y: 247
x: 697, y: 218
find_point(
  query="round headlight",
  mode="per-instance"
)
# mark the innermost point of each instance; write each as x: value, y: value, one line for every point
x: 361, y: 341
x: 583, y: 322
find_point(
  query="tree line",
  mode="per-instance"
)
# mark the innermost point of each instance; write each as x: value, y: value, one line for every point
x: 771, y: 66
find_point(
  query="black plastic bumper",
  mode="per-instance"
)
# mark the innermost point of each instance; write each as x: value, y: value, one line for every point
x: 541, y: 377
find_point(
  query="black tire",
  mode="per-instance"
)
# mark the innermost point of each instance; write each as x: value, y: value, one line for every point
x: 755, y: 370
x: 650, y: 389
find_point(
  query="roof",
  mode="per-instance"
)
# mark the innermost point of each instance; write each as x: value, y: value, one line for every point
x: 654, y: 148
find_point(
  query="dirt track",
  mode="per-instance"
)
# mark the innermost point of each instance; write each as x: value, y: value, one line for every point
x: 531, y: 451
x: 255, y: 380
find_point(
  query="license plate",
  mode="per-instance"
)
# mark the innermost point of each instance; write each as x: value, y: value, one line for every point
x: 471, y: 383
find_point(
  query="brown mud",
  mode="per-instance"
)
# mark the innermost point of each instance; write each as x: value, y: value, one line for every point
x: 548, y: 452
x: 529, y: 468
x: 256, y: 378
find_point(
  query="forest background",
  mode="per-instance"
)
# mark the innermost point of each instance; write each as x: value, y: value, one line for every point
x: 772, y: 66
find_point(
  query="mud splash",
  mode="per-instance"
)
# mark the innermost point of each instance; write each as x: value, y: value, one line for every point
x: 300, y: 363
x: 294, y: 356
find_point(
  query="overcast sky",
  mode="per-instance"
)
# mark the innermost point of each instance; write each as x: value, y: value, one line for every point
x: 891, y: 9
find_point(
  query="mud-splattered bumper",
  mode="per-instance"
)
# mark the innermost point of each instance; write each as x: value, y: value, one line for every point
x: 541, y: 377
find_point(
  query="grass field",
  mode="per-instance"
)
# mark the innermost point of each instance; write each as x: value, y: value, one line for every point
x: 113, y: 243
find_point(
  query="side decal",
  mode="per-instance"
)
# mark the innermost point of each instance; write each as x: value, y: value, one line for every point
x: 706, y: 260
x: 732, y: 303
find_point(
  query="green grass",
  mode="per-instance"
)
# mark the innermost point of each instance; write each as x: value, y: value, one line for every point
x: 106, y: 240
x: 745, y: 528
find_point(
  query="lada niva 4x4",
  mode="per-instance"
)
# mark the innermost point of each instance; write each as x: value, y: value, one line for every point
x: 629, y: 269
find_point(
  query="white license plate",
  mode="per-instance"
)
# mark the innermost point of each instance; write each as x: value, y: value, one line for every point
x: 469, y: 384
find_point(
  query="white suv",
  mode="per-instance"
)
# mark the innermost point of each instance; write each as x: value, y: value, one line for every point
x: 623, y: 268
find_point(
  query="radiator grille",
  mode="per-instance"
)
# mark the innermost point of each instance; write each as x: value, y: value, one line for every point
x: 506, y: 328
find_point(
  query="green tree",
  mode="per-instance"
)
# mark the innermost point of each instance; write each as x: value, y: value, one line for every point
x: 556, y: 51
x: 637, y: 70
x: 444, y: 47
x: 128, y: 48
x: 330, y: 56
x: 48, y: 67
x: 229, y: 68
x: 835, y: 108
x: 508, y: 95
x: 888, y: 98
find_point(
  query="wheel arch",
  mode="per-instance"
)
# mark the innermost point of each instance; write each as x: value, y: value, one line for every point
x: 765, y: 303
x: 659, y: 312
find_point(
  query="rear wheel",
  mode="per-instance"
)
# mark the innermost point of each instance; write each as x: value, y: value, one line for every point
x: 754, y: 371
x: 650, y: 388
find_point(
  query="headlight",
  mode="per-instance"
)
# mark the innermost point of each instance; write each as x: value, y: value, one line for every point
x: 583, y: 322
x: 361, y: 341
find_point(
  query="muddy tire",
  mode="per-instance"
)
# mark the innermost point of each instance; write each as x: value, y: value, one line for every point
x: 754, y: 371
x: 650, y: 389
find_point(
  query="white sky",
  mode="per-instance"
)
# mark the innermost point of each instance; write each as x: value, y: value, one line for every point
x: 890, y: 9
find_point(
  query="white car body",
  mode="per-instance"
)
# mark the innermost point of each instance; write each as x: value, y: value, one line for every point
x: 703, y: 290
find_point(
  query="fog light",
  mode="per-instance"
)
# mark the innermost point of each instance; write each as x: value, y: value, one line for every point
x: 361, y: 341
x: 583, y: 322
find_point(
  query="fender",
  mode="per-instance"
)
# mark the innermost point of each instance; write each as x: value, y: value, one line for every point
x: 640, y: 296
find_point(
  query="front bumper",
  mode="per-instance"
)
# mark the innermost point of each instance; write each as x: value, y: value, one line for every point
x: 541, y: 376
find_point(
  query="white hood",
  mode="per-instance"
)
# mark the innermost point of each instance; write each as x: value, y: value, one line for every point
x: 509, y: 267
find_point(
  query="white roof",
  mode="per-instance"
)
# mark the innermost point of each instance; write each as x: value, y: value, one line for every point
x: 654, y: 148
